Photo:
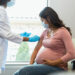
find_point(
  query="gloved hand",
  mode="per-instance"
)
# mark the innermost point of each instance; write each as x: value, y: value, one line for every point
x: 34, y: 38
x: 25, y: 34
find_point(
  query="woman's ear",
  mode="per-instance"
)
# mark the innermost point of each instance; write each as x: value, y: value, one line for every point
x: 48, y: 20
x: 50, y: 23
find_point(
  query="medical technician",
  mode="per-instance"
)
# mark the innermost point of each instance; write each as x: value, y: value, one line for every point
x: 6, y: 34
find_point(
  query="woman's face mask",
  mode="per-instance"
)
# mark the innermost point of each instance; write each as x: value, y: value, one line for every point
x: 45, y: 25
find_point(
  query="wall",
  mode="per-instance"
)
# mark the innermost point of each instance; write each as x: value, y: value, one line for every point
x: 11, y: 68
x: 66, y: 11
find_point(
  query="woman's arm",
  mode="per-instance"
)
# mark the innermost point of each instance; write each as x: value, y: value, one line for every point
x: 53, y: 62
x: 69, y: 47
x: 37, y: 48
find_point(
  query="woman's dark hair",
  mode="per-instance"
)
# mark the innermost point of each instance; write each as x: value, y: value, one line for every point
x: 52, y: 17
x: 2, y: 2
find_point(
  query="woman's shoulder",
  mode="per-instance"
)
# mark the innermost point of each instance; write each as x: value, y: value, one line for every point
x: 45, y: 31
x: 64, y: 32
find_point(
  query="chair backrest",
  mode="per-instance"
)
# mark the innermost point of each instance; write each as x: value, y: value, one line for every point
x: 73, y: 61
x: 73, y: 64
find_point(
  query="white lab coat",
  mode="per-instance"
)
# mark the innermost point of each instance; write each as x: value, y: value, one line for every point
x: 5, y: 35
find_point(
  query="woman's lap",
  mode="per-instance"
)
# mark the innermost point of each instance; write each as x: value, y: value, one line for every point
x: 39, y: 69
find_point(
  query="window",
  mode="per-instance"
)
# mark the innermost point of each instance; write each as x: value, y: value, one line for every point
x: 24, y: 17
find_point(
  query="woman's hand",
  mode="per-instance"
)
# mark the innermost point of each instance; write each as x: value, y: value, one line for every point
x: 53, y: 62
x: 49, y: 62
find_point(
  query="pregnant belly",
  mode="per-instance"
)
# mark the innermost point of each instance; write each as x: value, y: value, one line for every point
x: 46, y: 54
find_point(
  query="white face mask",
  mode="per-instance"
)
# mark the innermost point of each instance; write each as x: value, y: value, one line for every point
x: 45, y: 25
x: 11, y: 3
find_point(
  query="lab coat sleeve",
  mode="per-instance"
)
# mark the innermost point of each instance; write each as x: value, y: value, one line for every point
x: 5, y: 31
x: 7, y: 34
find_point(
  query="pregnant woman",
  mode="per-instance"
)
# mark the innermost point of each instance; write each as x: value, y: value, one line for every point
x: 58, y: 47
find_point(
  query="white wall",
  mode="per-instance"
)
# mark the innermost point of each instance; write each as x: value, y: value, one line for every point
x: 66, y: 11
x: 12, y: 68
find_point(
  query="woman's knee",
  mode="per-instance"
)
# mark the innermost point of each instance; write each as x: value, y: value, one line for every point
x: 16, y: 73
x: 24, y: 71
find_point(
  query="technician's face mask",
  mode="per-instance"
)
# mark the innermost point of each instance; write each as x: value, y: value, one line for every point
x: 45, y: 25
x: 11, y: 3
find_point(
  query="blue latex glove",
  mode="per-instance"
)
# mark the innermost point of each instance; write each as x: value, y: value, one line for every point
x: 34, y: 38
x: 25, y: 34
